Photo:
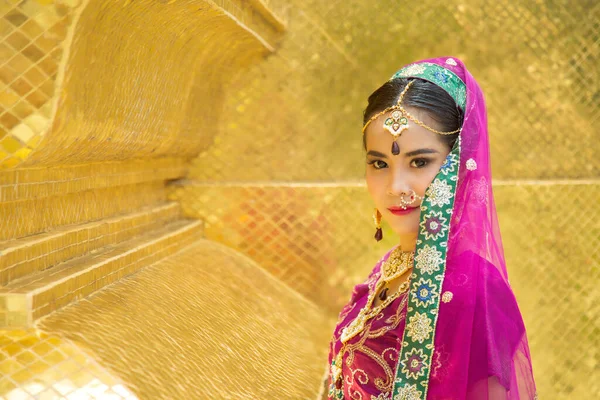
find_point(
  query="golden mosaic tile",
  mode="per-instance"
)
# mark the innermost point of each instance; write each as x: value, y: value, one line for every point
x: 27, y: 217
x: 41, y: 293
x: 162, y: 127
x: 30, y: 32
x: 212, y: 353
x: 32, y: 183
x: 40, y: 366
x: 31, y: 254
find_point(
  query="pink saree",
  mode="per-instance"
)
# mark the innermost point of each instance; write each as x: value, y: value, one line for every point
x: 458, y: 332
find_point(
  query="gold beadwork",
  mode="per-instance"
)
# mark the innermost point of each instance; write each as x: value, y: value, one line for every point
x: 447, y: 297
x: 366, y: 313
x: 397, y: 264
x: 404, y: 114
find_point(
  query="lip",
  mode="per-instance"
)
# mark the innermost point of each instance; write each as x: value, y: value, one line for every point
x: 399, y: 211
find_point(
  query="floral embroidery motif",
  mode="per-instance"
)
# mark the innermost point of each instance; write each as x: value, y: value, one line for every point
x: 448, y: 165
x: 441, y: 77
x: 414, y: 362
x: 409, y: 392
x: 439, y: 359
x: 447, y: 297
x: 425, y: 292
x: 428, y: 259
x: 419, y: 327
x: 480, y: 190
x: 471, y: 164
x: 452, y: 62
x: 433, y: 225
x: 440, y: 193
x: 414, y: 69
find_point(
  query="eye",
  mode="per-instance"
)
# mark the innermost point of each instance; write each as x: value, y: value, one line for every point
x: 377, y: 164
x: 419, y: 162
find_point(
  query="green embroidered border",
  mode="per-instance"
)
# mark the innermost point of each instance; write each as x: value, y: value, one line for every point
x: 414, y: 361
x: 438, y: 75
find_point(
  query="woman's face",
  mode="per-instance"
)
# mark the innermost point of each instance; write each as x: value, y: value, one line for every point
x: 422, y: 153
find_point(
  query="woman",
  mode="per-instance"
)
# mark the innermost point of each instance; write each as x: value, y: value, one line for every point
x: 436, y: 318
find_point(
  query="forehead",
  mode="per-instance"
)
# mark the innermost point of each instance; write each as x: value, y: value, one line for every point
x: 379, y: 138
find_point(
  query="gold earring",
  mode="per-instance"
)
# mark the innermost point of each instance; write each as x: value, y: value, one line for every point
x: 377, y: 219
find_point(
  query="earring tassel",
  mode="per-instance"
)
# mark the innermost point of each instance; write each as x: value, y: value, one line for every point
x: 378, y: 234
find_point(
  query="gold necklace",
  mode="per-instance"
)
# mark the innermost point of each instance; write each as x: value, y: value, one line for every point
x: 398, y: 263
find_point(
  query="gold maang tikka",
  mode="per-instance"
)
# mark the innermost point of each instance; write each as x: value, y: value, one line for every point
x: 397, y: 122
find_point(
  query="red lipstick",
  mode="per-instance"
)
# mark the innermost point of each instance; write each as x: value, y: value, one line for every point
x: 401, y: 211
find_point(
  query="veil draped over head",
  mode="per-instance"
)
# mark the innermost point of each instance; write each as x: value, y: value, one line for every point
x: 464, y: 335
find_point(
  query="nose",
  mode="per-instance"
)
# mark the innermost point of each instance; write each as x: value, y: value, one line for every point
x: 398, y: 186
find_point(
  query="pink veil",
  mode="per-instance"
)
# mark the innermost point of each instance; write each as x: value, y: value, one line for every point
x: 470, y: 340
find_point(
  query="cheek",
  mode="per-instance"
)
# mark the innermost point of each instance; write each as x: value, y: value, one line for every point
x: 426, y: 180
x: 374, y: 187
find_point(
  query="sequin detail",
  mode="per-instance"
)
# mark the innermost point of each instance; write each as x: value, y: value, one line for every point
x: 471, y: 164
x: 433, y: 225
x: 428, y: 259
x: 440, y: 193
x: 414, y: 69
x: 409, y: 392
x: 419, y: 327
x: 424, y: 292
x: 447, y: 297
x: 449, y: 164
x: 414, y: 362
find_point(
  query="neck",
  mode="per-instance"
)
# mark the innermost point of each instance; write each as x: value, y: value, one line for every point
x: 408, y: 242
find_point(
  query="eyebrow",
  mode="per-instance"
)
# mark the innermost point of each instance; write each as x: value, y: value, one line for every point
x: 409, y: 154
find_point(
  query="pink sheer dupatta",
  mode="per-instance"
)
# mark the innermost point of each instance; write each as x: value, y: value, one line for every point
x: 480, y: 348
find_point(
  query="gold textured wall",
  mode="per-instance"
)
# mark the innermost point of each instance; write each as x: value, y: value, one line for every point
x: 210, y: 329
x: 141, y: 88
x: 283, y: 178
x: 103, y: 103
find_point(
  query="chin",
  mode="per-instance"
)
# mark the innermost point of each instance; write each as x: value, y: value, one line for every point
x: 406, y: 230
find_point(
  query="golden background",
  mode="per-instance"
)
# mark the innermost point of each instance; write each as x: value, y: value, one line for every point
x: 178, y: 149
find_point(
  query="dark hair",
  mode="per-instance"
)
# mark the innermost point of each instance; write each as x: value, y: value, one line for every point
x: 424, y: 95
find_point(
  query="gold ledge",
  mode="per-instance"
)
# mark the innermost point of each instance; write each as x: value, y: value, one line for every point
x: 32, y: 216
x: 21, y: 257
x: 24, y: 301
x: 30, y: 183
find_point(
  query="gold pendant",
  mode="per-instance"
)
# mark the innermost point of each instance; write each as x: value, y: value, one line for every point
x: 396, y: 265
